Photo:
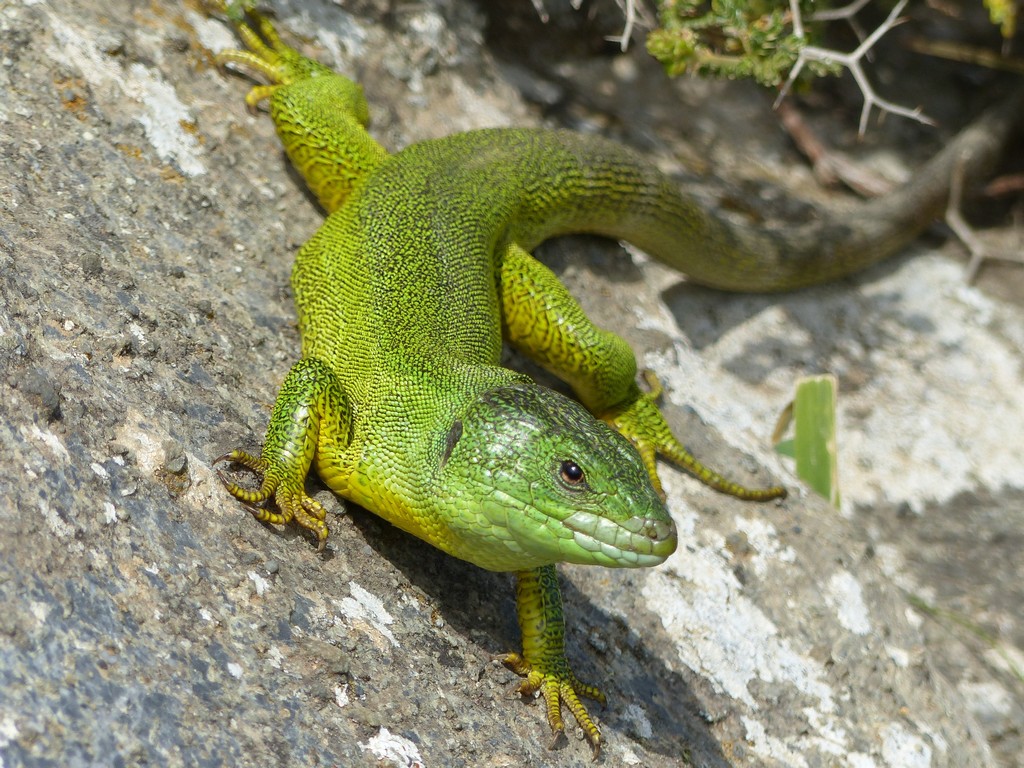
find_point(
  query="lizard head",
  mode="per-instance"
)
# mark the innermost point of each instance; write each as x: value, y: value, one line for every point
x: 534, y: 478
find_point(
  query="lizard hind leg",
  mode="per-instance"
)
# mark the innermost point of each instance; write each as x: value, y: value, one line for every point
x: 640, y: 420
x: 544, y: 321
x: 311, y: 418
x: 320, y: 115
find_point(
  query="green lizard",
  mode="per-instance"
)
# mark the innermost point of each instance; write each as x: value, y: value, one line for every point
x: 404, y: 297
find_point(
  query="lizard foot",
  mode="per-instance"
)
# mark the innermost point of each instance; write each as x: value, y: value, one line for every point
x: 558, y: 685
x: 642, y: 423
x: 310, y: 419
x: 269, y: 56
x: 290, y: 497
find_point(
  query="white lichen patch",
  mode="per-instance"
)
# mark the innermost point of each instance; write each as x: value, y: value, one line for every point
x: 903, y: 749
x: 109, y: 513
x: 396, y: 750
x: 900, y: 656
x: 158, y: 110
x: 771, y: 747
x: 276, y: 657
x: 213, y: 34
x: 164, y: 118
x: 260, y: 584
x: 341, y: 697
x: 844, y: 594
x: 729, y: 641
x: 366, y: 609
x: 860, y: 760
x: 39, y: 611
x: 764, y: 542
x: 140, y: 435
x: 8, y: 733
x: 988, y: 700
x: 724, y: 636
x: 939, y: 390
x: 637, y: 716
x: 53, y: 443
x: 56, y: 522
x: 829, y: 738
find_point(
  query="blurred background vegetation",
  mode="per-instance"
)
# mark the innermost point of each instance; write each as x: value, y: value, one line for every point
x: 763, y: 39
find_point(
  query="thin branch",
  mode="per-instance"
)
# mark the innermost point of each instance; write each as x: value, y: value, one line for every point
x: 542, y: 12
x: 846, y: 12
x: 977, y: 250
x: 629, y: 10
x: 829, y: 165
x: 956, y: 222
x: 798, y: 20
x: 852, y: 63
x: 982, y: 57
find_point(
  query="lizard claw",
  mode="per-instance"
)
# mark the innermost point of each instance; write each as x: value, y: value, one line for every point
x: 557, y: 684
x: 290, y: 497
x: 268, y: 55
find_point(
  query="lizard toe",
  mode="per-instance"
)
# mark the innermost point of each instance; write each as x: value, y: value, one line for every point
x: 558, y: 686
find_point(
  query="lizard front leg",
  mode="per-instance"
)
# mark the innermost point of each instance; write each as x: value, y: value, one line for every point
x: 311, y: 419
x: 544, y: 321
x: 543, y: 662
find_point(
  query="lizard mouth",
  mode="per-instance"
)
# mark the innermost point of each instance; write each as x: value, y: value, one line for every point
x: 634, y: 543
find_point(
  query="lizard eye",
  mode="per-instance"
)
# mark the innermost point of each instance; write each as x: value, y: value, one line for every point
x: 571, y: 474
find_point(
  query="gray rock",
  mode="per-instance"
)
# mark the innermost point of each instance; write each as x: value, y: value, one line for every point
x: 147, y: 224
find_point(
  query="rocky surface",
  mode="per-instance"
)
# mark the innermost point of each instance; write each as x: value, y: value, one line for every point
x: 147, y: 224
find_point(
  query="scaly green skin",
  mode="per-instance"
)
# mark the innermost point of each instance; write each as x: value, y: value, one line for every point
x: 404, y: 296
x: 399, y: 401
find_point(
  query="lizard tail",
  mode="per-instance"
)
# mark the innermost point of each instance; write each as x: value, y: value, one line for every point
x: 616, y: 193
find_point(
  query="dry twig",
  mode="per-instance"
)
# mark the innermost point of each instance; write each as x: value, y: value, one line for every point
x: 851, y: 61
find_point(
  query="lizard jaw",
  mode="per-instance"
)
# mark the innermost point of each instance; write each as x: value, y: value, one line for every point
x: 634, y: 543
